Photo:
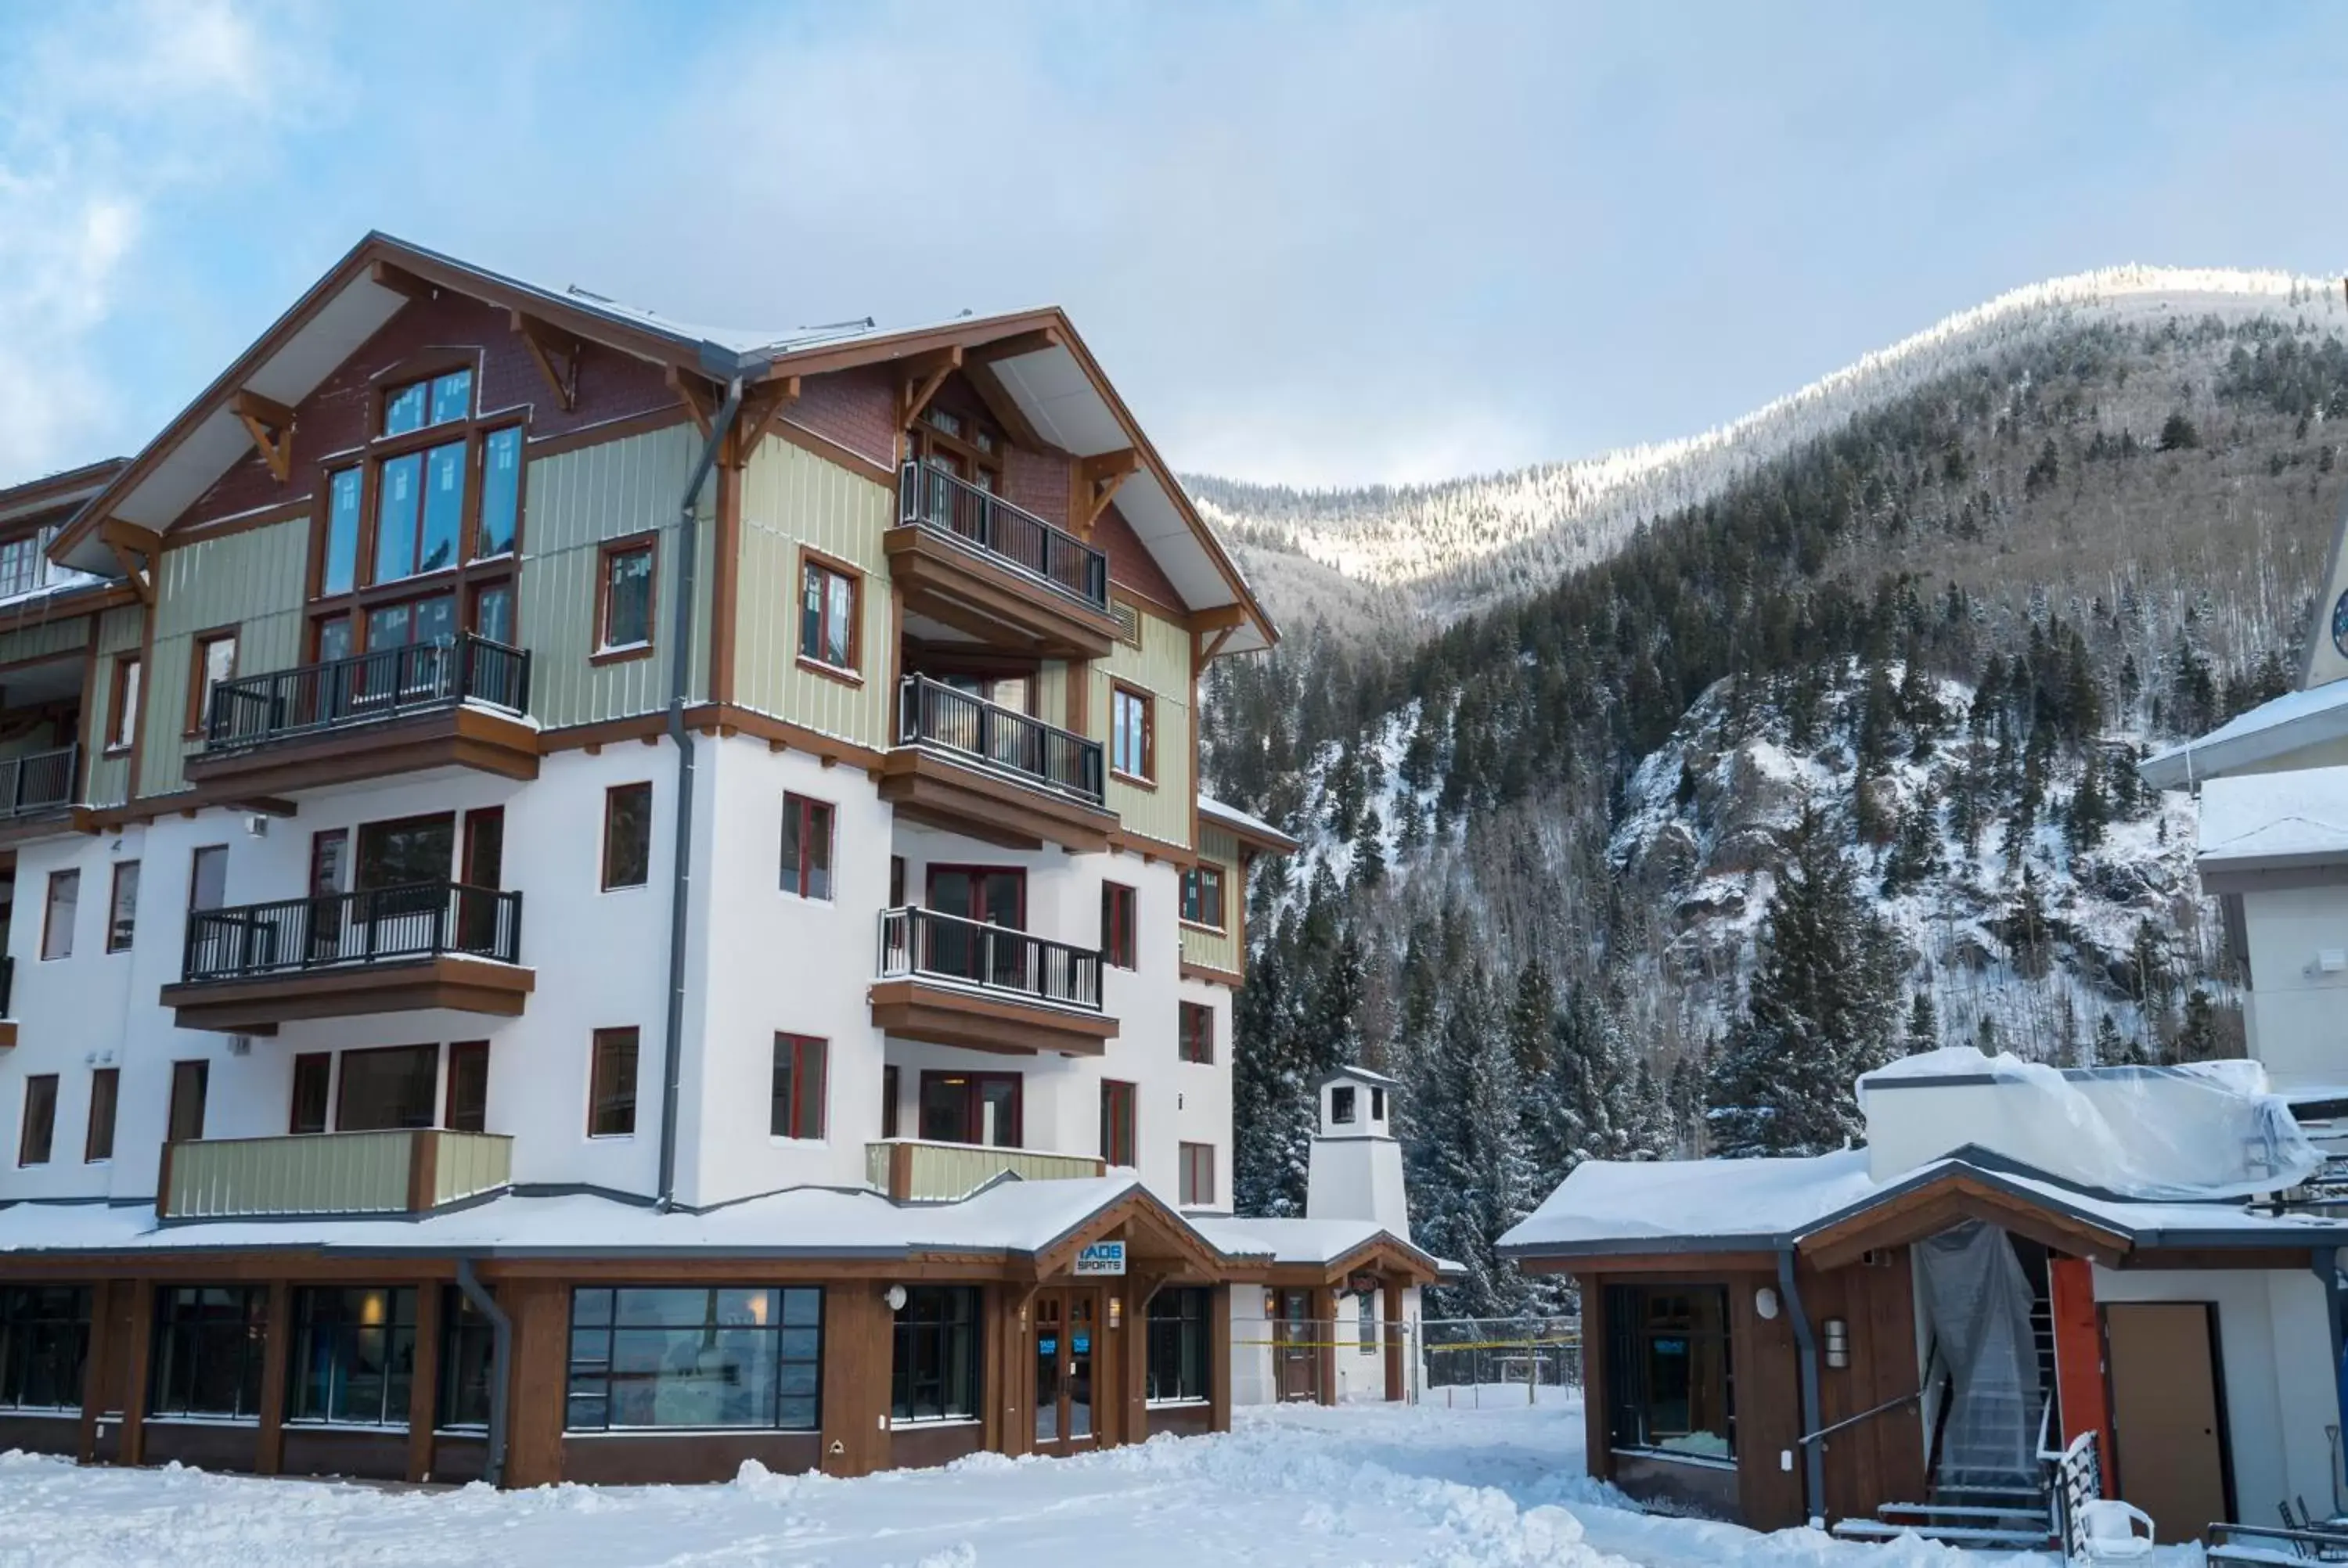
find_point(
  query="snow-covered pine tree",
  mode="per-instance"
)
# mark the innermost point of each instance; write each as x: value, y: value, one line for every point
x: 1470, y: 1179
x: 1819, y: 1011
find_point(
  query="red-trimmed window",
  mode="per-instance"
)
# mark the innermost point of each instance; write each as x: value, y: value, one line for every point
x: 1202, y: 895
x: 1198, y: 1174
x: 798, y: 1091
x: 806, y: 847
x: 1195, y: 1039
x: 1118, y: 902
x: 1116, y: 1121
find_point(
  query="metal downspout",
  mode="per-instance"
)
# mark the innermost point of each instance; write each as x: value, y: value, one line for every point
x: 680, y: 664
x: 2326, y: 1260
x: 1814, y: 1459
x: 500, y: 1364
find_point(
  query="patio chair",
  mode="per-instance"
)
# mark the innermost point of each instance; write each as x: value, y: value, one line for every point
x: 2110, y: 1528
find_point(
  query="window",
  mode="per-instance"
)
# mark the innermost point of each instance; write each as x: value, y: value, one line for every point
x: 1667, y: 1369
x: 189, y: 1082
x: 214, y: 662
x: 389, y: 1087
x: 970, y: 1108
x: 627, y: 835
x: 889, y: 1088
x: 806, y: 847
x: 44, y: 1345
x: 208, y: 877
x: 1133, y: 741
x: 933, y: 1372
x: 896, y: 882
x: 827, y: 598
x: 122, y: 912
x: 124, y: 704
x: 20, y: 564
x: 1195, y: 1041
x: 98, y: 1141
x: 727, y: 1357
x: 469, y: 1344
x: 500, y: 495
x: 1202, y: 896
x: 209, y: 1344
x: 1340, y: 1106
x: 39, y: 1129
x: 1377, y: 1104
x: 1198, y: 1173
x: 353, y: 1355
x: 1116, y: 1122
x: 798, y: 1108
x: 57, y: 919
x: 468, y: 1086
x: 340, y: 573
x: 1178, y: 1330
x: 623, y: 621
x: 612, y: 1085
x: 1117, y: 905
x: 314, y: 1076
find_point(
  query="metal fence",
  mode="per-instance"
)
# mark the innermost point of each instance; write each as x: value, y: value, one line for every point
x: 1464, y: 1363
x: 1473, y: 1362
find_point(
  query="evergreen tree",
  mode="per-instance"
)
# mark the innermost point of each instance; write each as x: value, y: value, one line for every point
x: 2083, y: 825
x: 2178, y: 433
x: 1470, y: 1175
x: 1923, y: 1024
x: 1818, y: 1012
x: 2110, y: 1050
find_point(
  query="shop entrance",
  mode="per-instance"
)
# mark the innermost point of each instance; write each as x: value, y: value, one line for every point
x: 1067, y: 1342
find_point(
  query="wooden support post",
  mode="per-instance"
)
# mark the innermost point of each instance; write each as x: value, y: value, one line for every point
x: 541, y: 1313
x: 1397, y: 1387
x: 132, y: 1449
x: 1597, y: 1440
x: 858, y: 1336
x: 1139, y: 1289
x: 1218, y: 1356
x: 424, y: 1381
x: 2079, y: 1358
x: 1324, y: 1313
x: 104, y: 1347
x: 276, y: 1340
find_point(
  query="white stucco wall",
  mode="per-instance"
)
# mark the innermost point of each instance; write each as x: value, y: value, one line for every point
x: 2293, y: 1007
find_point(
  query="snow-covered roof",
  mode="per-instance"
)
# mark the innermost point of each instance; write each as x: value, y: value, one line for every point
x: 1316, y: 1242
x: 1253, y: 829
x: 1351, y: 1074
x: 2291, y: 723
x: 2263, y: 821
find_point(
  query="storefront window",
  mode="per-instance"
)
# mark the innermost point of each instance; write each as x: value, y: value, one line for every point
x: 43, y: 1342
x: 731, y: 1356
x: 1178, y: 1344
x: 1667, y: 1369
x: 354, y: 1356
x: 468, y: 1345
x: 208, y: 1340
x: 935, y: 1374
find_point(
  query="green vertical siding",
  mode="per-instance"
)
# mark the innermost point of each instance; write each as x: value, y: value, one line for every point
x: 1219, y: 950
x: 119, y: 631
x: 1160, y: 666
x: 45, y: 637
x: 576, y: 501
x: 254, y: 581
x: 791, y: 496
x: 1052, y: 692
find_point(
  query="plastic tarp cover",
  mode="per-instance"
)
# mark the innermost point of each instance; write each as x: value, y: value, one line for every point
x: 2202, y: 1131
x: 1978, y: 1300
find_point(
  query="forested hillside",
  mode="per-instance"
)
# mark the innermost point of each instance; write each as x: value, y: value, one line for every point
x: 1833, y: 763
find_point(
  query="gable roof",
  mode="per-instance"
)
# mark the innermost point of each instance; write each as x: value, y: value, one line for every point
x: 57, y: 492
x: 1038, y: 359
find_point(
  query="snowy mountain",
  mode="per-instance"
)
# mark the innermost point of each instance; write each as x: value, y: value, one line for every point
x: 1446, y: 549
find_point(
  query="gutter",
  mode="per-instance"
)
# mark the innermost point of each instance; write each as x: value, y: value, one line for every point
x: 681, y: 871
x: 1813, y: 1461
x: 500, y: 1364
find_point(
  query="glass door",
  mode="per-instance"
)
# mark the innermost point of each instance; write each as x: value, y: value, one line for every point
x: 1299, y: 1358
x: 1050, y: 1351
x: 1066, y: 1323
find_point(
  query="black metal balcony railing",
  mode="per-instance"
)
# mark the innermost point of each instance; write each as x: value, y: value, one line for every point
x: 973, y: 730
x: 917, y: 941
x: 38, y: 781
x: 1018, y: 538
x: 388, y: 682
x: 331, y: 930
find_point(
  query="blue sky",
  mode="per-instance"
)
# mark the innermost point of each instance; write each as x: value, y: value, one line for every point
x: 1312, y: 243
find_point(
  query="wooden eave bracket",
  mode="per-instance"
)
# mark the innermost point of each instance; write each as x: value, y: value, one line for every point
x: 401, y: 281
x: 1209, y: 630
x: 1017, y: 346
x: 1098, y: 478
x: 271, y: 426
x: 556, y: 353
x: 133, y: 548
x: 699, y: 397
x: 919, y: 378
x: 760, y: 408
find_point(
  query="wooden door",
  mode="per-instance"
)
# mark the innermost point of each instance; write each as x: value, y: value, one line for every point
x: 1299, y: 1359
x: 2168, y: 1433
x: 1067, y: 1348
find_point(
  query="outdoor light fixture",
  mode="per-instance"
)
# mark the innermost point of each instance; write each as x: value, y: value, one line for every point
x: 895, y: 1297
x: 1764, y: 1302
x: 1117, y: 1312
x: 1837, y: 1332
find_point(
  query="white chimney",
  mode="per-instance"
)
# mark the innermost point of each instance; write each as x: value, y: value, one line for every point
x: 1356, y: 1172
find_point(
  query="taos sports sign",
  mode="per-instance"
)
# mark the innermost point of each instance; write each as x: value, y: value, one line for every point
x: 1102, y: 1258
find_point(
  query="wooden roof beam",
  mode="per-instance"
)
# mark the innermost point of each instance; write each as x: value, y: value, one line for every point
x: 556, y: 353
x: 401, y: 281
x: 759, y: 411
x: 271, y: 426
x: 1015, y: 346
x: 919, y: 378
x: 1098, y: 478
x: 699, y: 398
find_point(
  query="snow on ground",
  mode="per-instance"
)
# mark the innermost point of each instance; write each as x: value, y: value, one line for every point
x: 1297, y: 1486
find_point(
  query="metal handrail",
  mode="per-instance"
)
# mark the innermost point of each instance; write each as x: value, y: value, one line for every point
x: 1888, y: 1405
x: 335, y: 931
x: 1012, y: 535
x: 918, y: 941
x: 387, y: 683
x: 38, y: 781
x: 932, y: 713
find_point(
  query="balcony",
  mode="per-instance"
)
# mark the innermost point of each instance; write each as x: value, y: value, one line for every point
x: 968, y: 559
x: 991, y: 772
x: 911, y: 1170
x: 37, y: 793
x: 952, y: 982
x: 402, y: 1171
x: 423, y: 945
x: 392, y: 711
